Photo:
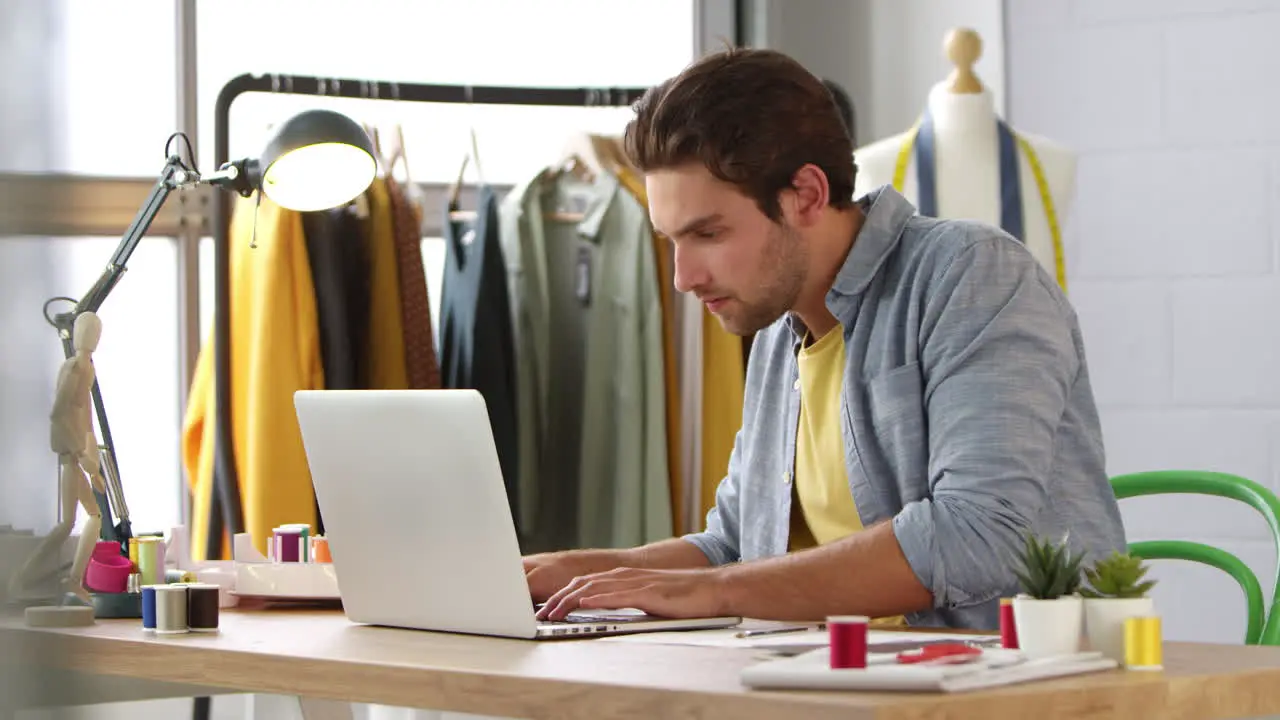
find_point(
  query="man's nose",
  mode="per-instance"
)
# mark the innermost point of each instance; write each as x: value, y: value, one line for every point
x: 689, y: 272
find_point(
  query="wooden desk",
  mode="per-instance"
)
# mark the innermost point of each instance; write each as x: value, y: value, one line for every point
x: 320, y: 654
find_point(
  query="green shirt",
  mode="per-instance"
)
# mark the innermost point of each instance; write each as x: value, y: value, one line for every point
x: 587, y: 323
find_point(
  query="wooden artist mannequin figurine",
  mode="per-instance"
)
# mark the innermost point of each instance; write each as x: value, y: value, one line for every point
x: 979, y: 166
x: 71, y: 437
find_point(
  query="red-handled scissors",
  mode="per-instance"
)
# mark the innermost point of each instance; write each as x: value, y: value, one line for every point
x: 940, y: 653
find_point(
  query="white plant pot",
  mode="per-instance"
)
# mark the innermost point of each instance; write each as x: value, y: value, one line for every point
x: 1104, y: 622
x: 1048, y: 627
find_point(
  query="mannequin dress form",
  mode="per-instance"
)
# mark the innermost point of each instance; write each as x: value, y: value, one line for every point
x: 967, y: 161
x: 71, y: 437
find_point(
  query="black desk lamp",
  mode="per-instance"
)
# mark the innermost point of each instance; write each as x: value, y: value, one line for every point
x: 317, y: 160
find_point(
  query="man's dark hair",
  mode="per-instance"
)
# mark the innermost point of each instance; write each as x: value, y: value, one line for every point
x: 845, y: 105
x: 753, y: 118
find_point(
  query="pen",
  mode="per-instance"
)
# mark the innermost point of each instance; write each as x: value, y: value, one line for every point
x: 777, y: 631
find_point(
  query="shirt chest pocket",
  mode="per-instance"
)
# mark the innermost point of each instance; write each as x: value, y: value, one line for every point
x: 899, y: 429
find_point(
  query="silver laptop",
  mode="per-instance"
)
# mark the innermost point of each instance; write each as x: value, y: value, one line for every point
x: 416, y: 514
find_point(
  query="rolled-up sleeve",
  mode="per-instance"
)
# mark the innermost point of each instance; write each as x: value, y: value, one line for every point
x: 998, y: 361
x: 721, y: 541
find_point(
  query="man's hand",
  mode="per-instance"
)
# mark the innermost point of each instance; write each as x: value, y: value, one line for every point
x: 548, y: 573
x: 668, y: 593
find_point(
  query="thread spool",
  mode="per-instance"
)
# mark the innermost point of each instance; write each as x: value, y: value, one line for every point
x: 320, y: 550
x: 304, y: 541
x: 290, y: 544
x: 1143, y: 646
x: 1008, y: 628
x: 171, y: 609
x: 148, y: 607
x: 202, y: 607
x: 848, y: 636
x: 133, y: 552
x: 179, y: 576
x: 151, y: 560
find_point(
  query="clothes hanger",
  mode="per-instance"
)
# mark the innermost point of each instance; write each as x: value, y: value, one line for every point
x: 455, y: 214
x: 580, y: 156
x: 611, y: 145
x: 579, y: 168
x: 396, y: 155
x: 471, y: 156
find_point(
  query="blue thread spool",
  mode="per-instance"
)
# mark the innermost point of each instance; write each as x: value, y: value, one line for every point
x: 148, y: 607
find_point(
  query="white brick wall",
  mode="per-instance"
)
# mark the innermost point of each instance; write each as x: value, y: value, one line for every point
x: 1174, y: 108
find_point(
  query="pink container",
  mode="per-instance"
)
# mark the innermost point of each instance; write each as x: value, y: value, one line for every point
x: 108, y: 570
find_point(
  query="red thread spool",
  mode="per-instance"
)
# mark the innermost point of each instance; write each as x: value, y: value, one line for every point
x: 1008, y: 628
x: 848, y: 635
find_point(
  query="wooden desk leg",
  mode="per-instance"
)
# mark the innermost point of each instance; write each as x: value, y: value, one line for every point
x: 318, y: 709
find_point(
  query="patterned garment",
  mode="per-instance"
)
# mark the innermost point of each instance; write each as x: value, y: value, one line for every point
x: 420, y: 358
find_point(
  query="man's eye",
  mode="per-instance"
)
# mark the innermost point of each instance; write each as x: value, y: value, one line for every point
x: 706, y: 234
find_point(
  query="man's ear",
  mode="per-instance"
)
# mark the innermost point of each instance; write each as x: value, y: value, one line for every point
x: 809, y: 194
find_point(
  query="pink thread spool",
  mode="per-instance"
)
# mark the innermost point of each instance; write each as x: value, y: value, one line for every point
x: 288, y: 544
x: 848, y: 634
x: 108, y: 570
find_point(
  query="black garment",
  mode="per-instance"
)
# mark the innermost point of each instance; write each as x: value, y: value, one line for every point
x: 477, y: 350
x: 339, y: 259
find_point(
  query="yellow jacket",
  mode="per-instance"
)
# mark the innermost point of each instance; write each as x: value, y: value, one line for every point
x: 385, y: 350
x: 275, y: 346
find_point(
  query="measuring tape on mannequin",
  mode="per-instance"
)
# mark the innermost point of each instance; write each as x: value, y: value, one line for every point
x: 919, y: 141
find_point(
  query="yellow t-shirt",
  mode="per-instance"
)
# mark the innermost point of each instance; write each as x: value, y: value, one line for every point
x: 823, y: 509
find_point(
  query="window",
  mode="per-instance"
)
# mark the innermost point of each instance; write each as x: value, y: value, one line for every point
x: 104, y: 102
x: 112, y: 86
x: 134, y: 363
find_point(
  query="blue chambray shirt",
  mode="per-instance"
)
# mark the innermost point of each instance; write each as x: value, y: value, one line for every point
x: 967, y: 413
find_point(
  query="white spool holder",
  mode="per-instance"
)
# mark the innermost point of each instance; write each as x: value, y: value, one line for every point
x: 258, y: 576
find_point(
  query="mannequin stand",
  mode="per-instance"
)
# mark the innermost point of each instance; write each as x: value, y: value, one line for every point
x: 957, y: 162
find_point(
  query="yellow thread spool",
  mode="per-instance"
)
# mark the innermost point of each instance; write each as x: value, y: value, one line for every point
x: 1143, y: 646
x: 151, y: 560
x: 133, y: 553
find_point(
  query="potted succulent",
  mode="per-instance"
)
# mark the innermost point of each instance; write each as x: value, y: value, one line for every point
x: 1048, y: 613
x: 1116, y: 591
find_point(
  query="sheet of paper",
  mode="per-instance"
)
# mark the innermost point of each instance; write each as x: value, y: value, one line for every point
x: 728, y: 637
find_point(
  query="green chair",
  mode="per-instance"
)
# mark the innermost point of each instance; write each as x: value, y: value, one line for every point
x: 1264, y: 618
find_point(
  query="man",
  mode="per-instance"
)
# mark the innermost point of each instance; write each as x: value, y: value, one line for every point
x: 917, y: 397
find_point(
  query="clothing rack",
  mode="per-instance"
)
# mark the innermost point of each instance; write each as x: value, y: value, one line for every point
x: 225, y: 510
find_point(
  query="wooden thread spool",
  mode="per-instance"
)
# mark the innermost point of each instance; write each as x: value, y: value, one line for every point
x: 963, y: 47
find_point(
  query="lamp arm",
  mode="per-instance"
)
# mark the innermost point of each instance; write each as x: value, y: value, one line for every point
x: 175, y: 174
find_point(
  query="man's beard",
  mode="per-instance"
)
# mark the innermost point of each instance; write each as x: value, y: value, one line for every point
x: 782, y: 271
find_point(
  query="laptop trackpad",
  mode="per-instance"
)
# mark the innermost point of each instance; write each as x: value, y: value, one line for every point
x: 618, y: 615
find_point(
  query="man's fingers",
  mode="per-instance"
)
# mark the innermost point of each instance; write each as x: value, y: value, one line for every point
x: 564, y: 601
x: 568, y: 599
x: 633, y: 597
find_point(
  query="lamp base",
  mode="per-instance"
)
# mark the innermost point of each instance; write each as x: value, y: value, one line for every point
x: 118, y: 605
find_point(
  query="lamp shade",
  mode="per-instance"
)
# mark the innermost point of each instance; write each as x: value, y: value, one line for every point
x: 318, y: 159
